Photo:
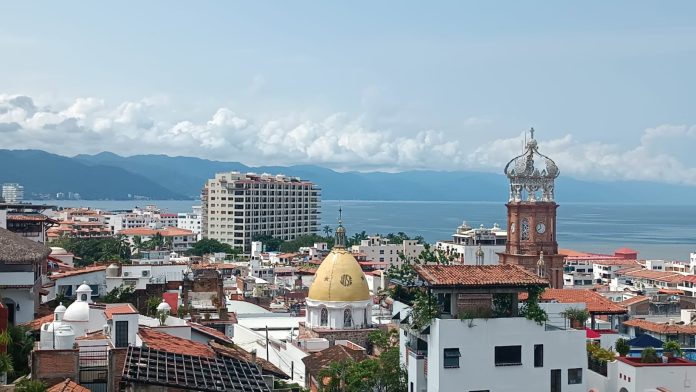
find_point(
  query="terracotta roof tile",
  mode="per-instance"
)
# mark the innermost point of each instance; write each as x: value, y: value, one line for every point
x: 478, y: 275
x: 634, y: 300
x: 670, y: 277
x: 165, y: 342
x: 211, y: 332
x: 35, y: 324
x: 616, y: 262
x: 67, y: 386
x: 110, y: 311
x: 594, y: 302
x: 85, y: 270
x: 317, y: 361
x: 661, y: 328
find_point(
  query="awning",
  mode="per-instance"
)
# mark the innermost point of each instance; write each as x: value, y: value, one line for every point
x: 590, y: 334
x: 645, y: 340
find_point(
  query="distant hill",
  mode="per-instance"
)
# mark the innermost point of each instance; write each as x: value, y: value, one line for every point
x: 110, y: 176
x: 42, y: 172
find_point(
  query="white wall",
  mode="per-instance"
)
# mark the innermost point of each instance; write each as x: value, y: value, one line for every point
x: 563, y: 349
x: 97, y: 278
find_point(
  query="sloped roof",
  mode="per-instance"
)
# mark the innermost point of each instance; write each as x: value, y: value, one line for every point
x: 67, y: 386
x: 35, y: 324
x: 634, y: 300
x: 110, y: 311
x: 173, y: 344
x: 337, y: 353
x: 478, y: 275
x: 661, y: 328
x: 211, y: 332
x: 595, y: 303
x: 236, y: 352
x: 15, y: 249
x: 85, y: 270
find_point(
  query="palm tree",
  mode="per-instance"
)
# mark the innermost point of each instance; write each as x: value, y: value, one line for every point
x: 137, y: 243
x: 327, y: 231
x: 6, y: 367
x: 333, y: 378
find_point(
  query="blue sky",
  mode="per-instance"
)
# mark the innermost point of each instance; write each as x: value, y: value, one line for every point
x: 358, y: 85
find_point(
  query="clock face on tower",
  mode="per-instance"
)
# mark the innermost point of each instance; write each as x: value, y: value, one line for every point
x: 541, y: 228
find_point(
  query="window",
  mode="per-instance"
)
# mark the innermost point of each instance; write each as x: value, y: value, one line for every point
x: 452, y: 358
x: 555, y: 380
x: 324, y: 317
x: 538, y: 355
x: 444, y: 301
x: 508, y: 355
x: 121, y: 333
x: 347, y: 318
x: 575, y: 376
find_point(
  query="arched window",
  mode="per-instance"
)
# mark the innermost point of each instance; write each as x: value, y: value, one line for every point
x: 365, y: 321
x: 524, y: 228
x: 324, y: 321
x: 347, y: 318
x: 83, y: 297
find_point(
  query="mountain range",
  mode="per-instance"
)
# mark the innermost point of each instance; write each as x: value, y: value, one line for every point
x: 110, y: 176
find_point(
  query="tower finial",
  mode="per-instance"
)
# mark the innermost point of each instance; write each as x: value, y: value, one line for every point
x: 340, y: 231
x: 531, y: 132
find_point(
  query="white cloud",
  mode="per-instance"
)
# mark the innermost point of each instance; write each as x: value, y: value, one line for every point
x: 90, y: 125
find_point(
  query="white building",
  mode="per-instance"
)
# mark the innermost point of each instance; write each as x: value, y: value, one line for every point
x: 139, y: 276
x: 66, y: 283
x: 376, y: 248
x: 190, y: 221
x: 179, y: 240
x: 631, y: 375
x: 479, y: 343
x: 12, y: 192
x: 475, y: 246
x: 237, y: 207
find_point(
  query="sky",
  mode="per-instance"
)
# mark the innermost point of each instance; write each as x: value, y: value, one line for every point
x: 365, y: 85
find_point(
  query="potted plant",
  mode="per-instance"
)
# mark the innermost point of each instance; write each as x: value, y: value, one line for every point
x: 622, y: 347
x: 672, y: 348
x: 577, y: 317
x: 649, y: 355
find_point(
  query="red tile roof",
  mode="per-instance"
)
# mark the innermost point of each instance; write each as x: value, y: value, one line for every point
x: 319, y: 360
x: 165, y: 342
x: 35, y: 324
x: 635, y: 300
x: 85, y: 270
x: 595, y: 303
x: 661, y: 328
x: 110, y: 311
x: 616, y: 262
x: 669, y: 277
x: 67, y: 386
x: 211, y: 332
x: 478, y: 275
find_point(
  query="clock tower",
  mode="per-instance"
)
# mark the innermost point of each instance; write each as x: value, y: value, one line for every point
x: 531, y: 209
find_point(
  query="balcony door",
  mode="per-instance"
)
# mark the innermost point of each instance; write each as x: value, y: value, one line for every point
x: 555, y: 380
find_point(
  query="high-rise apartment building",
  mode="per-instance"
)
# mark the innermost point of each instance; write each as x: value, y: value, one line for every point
x: 237, y: 207
x: 12, y: 192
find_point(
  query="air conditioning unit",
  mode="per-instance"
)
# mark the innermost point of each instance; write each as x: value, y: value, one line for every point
x: 146, y: 273
x: 126, y: 274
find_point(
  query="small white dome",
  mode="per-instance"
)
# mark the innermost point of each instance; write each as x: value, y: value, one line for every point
x: 164, y: 307
x: 77, y: 311
x: 84, y: 288
x: 60, y: 308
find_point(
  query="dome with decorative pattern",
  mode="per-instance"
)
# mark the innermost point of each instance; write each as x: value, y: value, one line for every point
x: 339, y: 278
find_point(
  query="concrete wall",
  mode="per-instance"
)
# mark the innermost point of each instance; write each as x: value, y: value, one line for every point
x: 476, y: 341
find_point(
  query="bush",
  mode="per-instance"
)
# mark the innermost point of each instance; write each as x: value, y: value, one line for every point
x: 649, y: 355
x: 672, y: 346
x: 622, y: 347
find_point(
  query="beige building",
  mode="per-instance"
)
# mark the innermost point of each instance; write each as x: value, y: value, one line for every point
x: 237, y: 207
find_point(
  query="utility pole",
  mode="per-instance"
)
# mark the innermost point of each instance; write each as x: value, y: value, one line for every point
x: 267, y: 357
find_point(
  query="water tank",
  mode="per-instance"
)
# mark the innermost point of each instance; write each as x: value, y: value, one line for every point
x: 112, y: 271
x: 65, y: 337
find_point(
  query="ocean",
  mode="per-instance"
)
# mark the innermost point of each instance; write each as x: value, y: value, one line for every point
x: 655, y: 231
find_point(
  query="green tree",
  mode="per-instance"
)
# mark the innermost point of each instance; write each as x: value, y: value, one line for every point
x: 92, y: 250
x: 271, y: 243
x: 28, y: 385
x: 209, y: 246
x: 327, y: 231
x: 302, y: 241
x: 120, y: 294
x: 19, y: 351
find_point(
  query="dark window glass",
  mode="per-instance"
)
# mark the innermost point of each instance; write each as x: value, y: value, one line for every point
x: 538, y: 355
x: 575, y: 376
x: 452, y: 358
x: 121, y: 333
x: 324, y: 317
x: 556, y: 380
x: 508, y: 355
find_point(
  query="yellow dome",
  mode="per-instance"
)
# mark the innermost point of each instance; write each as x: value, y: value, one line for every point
x: 339, y: 278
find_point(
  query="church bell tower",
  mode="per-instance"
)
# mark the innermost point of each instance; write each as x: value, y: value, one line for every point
x: 531, y: 231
